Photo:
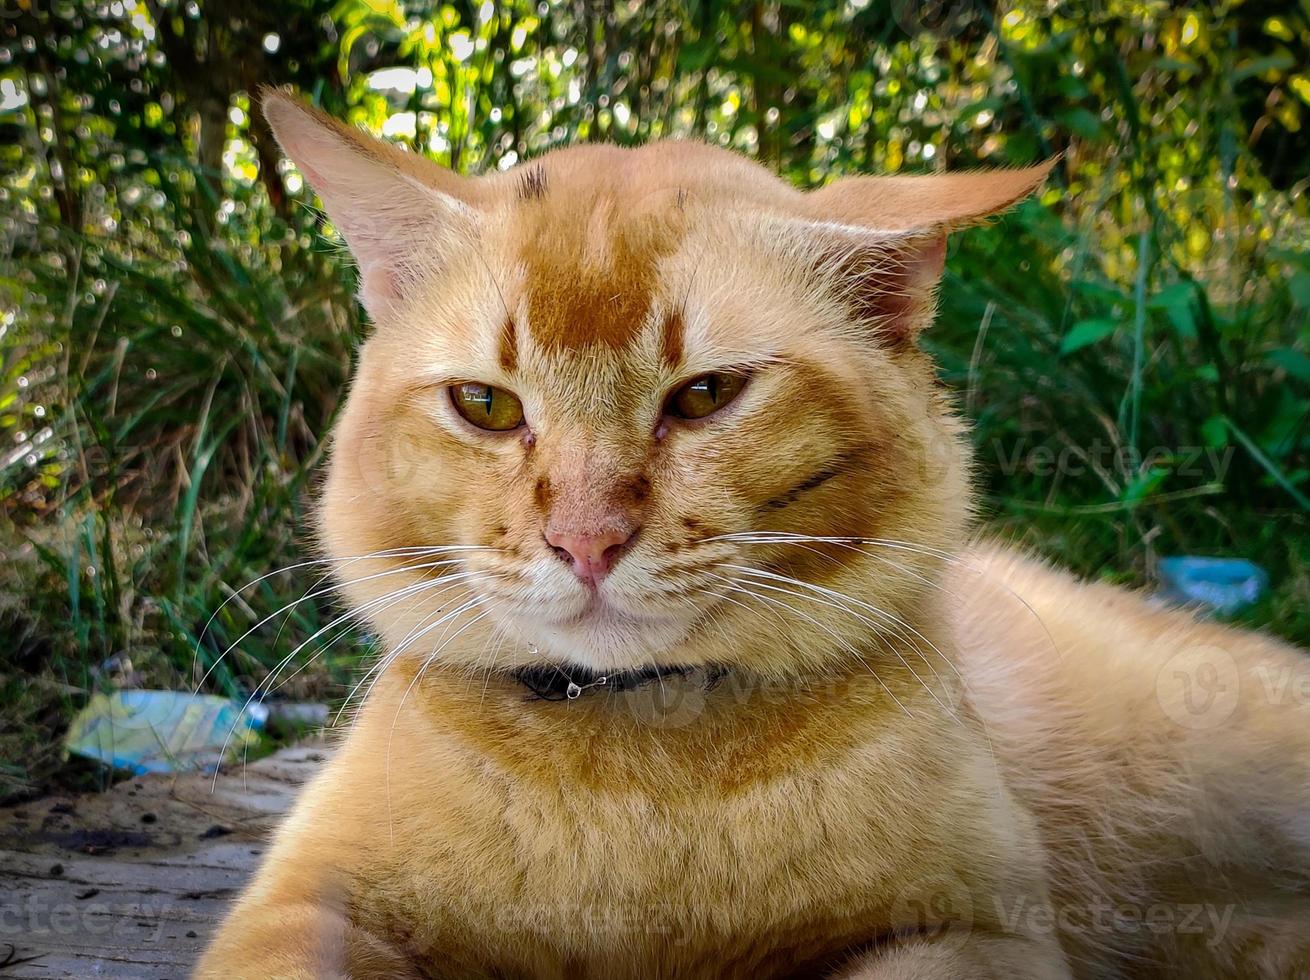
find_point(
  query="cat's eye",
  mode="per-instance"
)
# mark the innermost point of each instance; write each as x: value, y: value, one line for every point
x: 705, y: 395
x: 486, y: 406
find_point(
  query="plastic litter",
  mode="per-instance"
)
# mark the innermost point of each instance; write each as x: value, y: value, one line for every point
x: 1226, y: 585
x: 163, y: 731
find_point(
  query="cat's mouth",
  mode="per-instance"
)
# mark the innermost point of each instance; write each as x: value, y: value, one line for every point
x: 600, y: 612
x: 602, y: 633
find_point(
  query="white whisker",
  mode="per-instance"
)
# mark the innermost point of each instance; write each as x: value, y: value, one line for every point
x: 956, y: 560
x: 268, y: 680
x: 833, y: 594
x: 416, y: 591
x: 416, y: 633
x: 739, y: 586
x: 314, y: 595
x: 476, y: 600
x: 345, y: 560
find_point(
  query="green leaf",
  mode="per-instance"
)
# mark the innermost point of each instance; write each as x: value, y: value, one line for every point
x: 696, y: 55
x: 1144, y: 484
x: 1258, y: 66
x: 1105, y: 295
x: 1299, y: 287
x: 1081, y: 122
x: 1292, y: 361
x: 1297, y: 257
x: 1174, y: 64
x: 966, y: 115
x: 1084, y: 333
x: 1071, y: 87
x: 1176, y: 302
x: 1179, y: 294
x: 1281, y: 424
x: 1214, y: 431
x: 1275, y: 472
x: 1183, y: 321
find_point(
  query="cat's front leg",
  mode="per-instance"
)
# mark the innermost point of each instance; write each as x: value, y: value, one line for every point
x: 300, y: 941
x: 974, y: 956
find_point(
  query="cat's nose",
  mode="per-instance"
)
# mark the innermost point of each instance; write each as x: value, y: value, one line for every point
x: 590, y: 555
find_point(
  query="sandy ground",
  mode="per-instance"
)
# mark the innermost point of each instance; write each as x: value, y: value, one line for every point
x: 130, y: 883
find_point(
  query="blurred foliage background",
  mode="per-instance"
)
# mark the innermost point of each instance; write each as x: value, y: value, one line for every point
x: 175, y: 333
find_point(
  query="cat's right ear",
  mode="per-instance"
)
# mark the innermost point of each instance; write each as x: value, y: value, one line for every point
x: 398, y: 212
x: 882, y: 240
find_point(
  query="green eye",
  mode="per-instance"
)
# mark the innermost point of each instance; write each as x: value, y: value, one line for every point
x: 705, y: 395
x: 487, y: 407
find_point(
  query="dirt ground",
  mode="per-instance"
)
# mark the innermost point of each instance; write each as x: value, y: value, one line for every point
x: 131, y: 882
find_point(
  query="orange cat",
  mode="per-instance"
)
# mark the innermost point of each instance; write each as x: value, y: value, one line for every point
x: 691, y: 669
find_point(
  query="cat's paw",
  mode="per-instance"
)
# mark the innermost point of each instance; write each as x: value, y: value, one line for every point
x: 976, y: 958
x: 300, y: 942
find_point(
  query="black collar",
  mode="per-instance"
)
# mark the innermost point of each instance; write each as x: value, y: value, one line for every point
x: 568, y: 682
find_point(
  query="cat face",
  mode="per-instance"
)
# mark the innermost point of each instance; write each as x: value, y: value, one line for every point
x: 624, y: 407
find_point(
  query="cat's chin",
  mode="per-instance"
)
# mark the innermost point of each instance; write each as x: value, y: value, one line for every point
x: 605, y: 638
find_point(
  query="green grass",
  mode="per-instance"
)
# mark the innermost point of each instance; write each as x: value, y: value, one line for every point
x: 1182, y: 430
x: 188, y: 391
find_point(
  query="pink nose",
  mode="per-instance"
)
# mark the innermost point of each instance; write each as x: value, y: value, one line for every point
x: 591, y: 555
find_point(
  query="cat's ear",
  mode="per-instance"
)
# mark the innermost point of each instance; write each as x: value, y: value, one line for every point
x: 883, y: 239
x: 398, y: 212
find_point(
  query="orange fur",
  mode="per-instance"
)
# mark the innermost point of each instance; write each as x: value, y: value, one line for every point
x: 925, y: 759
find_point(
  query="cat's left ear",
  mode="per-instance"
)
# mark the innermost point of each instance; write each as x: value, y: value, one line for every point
x: 399, y: 213
x: 883, y: 239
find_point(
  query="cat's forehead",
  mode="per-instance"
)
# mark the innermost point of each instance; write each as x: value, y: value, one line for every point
x: 590, y: 231
x: 593, y: 313
x: 589, y: 268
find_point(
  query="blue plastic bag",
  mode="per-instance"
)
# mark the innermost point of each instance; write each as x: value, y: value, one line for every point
x: 162, y: 731
x: 1226, y: 585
